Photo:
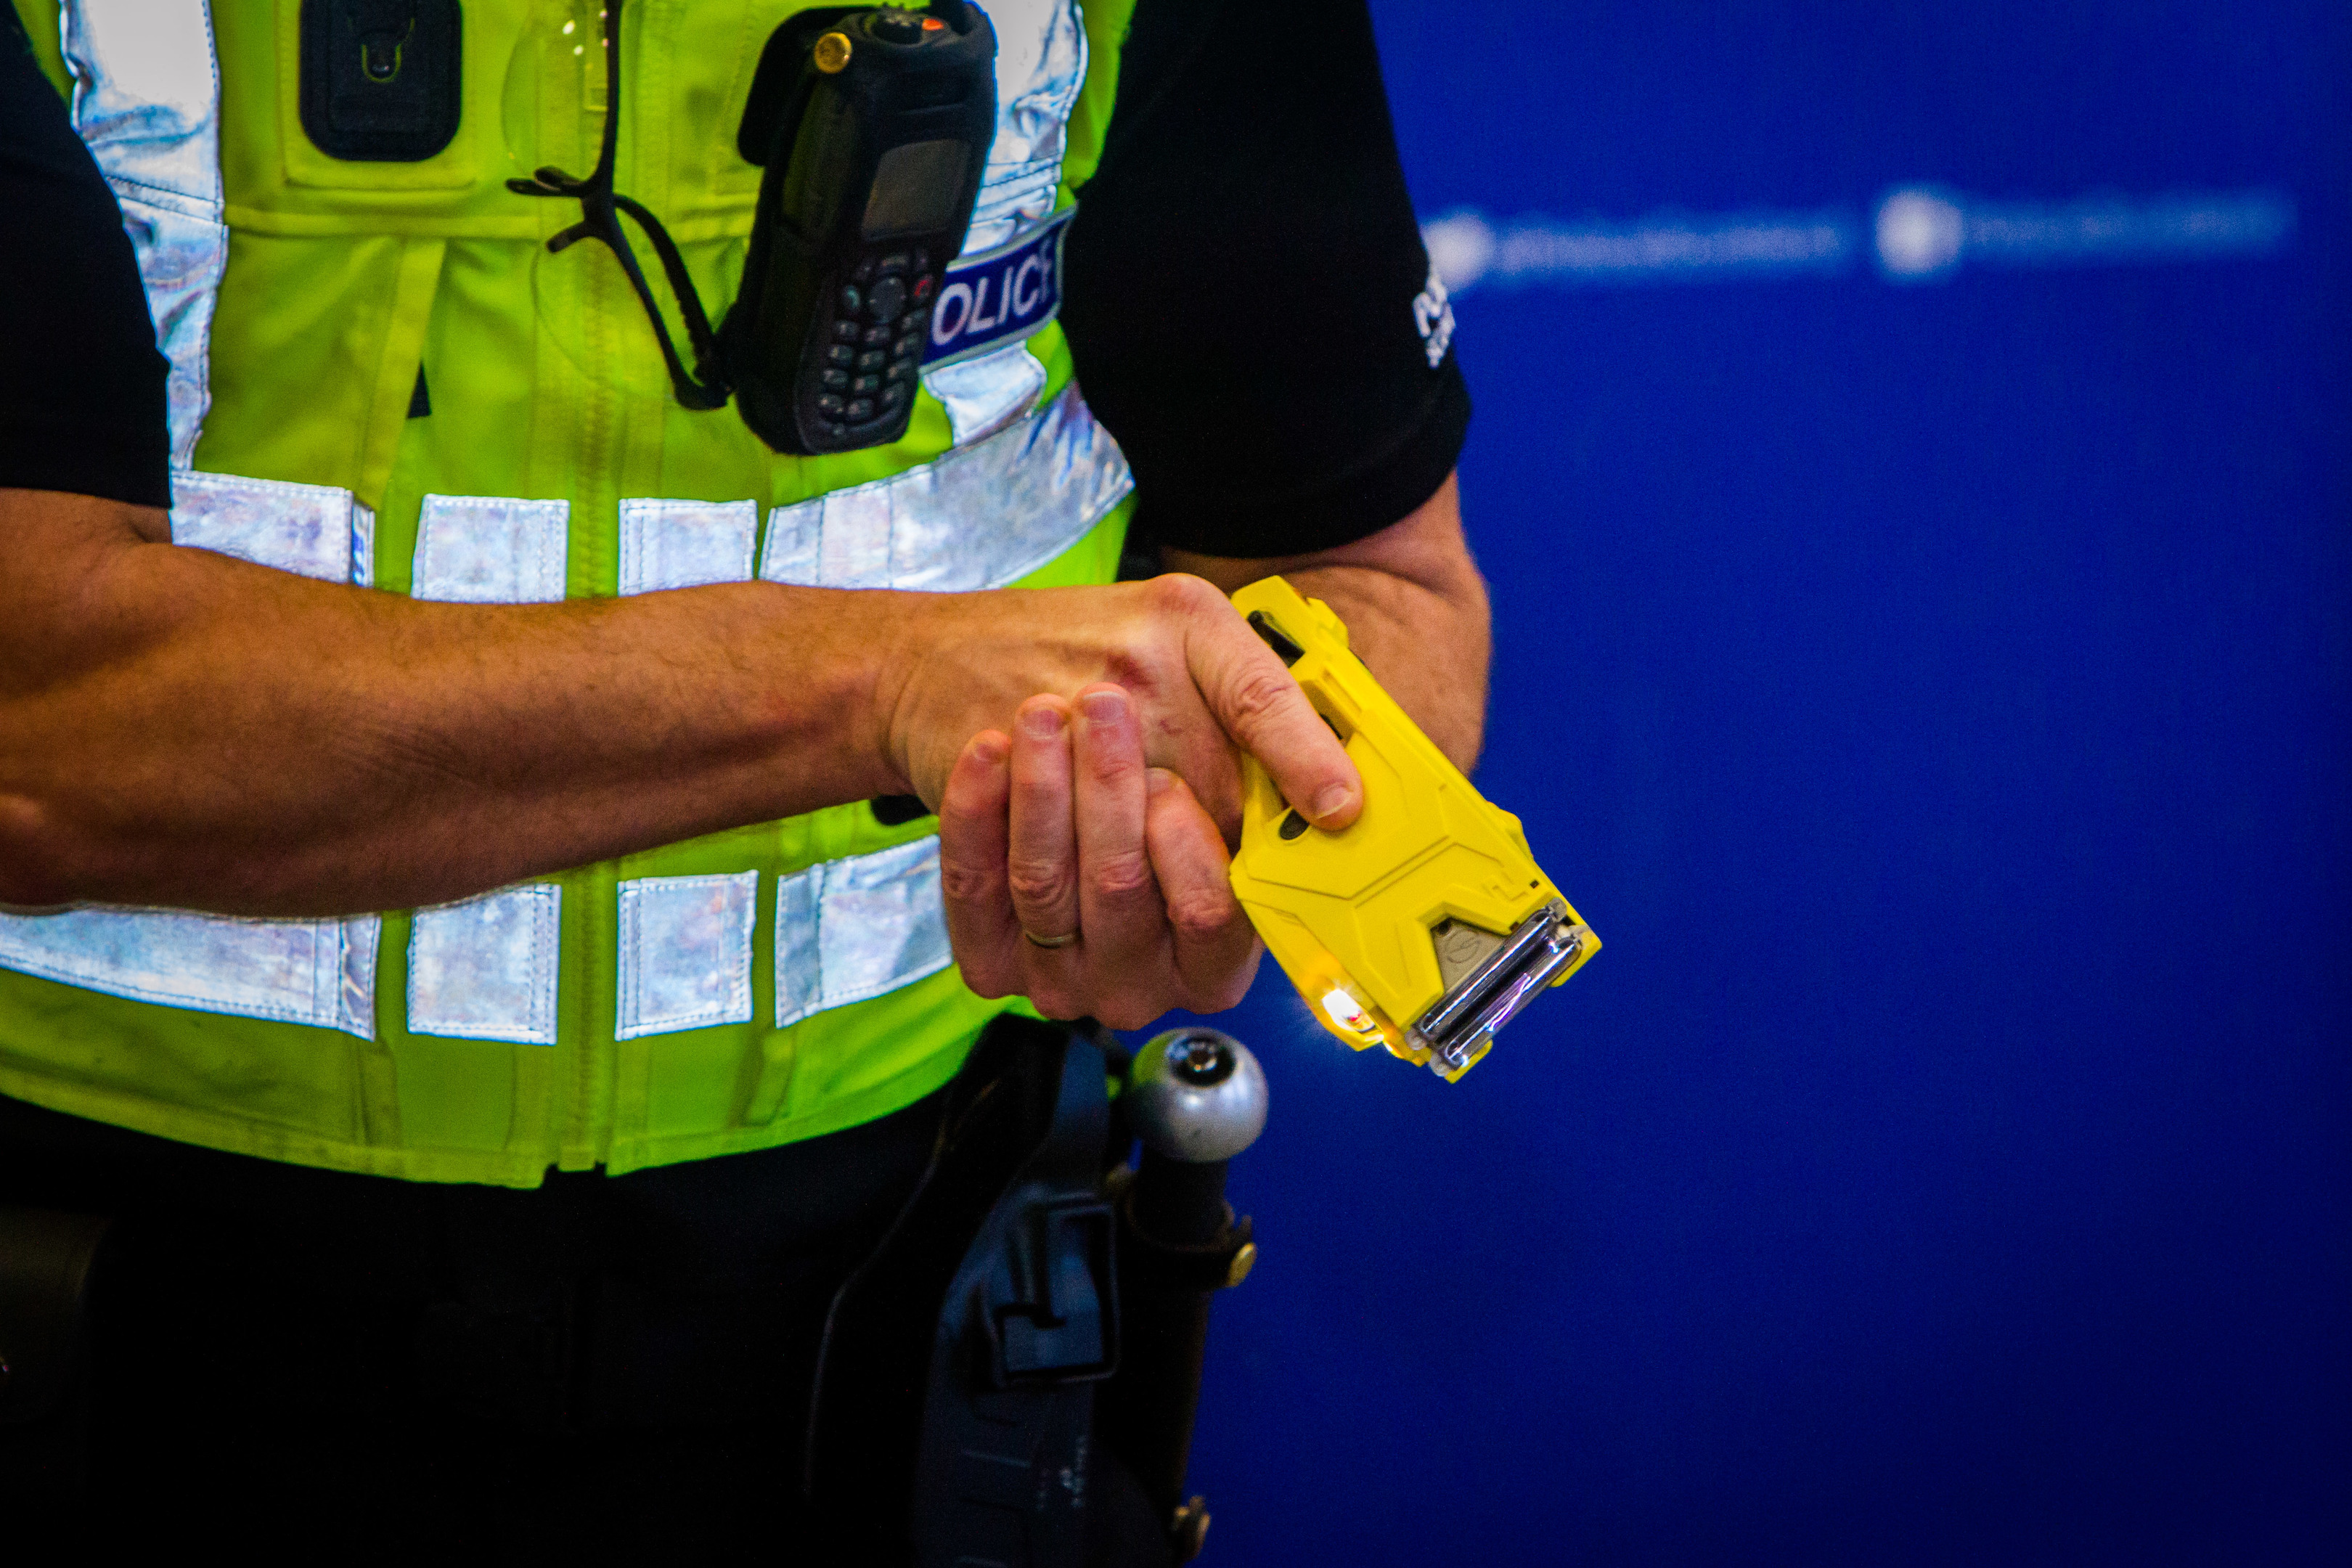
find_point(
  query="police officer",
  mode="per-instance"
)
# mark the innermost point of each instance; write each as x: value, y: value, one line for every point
x: 466, y: 926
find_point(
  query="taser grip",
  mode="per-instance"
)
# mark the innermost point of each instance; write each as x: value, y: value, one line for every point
x: 1424, y: 924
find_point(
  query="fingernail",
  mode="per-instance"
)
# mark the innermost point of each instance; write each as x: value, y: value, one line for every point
x: 1332, y: 801
x: 988, y: 749
x: 1042, y: 722
x: 1104, y: 710
x: 1157, y: 780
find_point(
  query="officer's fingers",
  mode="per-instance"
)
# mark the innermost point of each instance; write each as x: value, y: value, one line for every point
x: 974, y: 837
x: 1263, y: 709
x: 1216, y: 950
x: 1118, y: 901
x: 1041, y: 862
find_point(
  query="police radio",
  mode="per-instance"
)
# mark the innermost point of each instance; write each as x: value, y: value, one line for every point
x: 873, y: 127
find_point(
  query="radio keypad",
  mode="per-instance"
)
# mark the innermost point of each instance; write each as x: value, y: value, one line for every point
x: 887, y: 301
x: 875, y: 352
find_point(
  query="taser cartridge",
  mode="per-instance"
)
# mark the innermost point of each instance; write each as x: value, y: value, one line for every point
x: 1425, y: 925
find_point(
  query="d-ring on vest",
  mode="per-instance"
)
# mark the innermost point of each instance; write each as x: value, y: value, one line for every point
x: 731, y: 992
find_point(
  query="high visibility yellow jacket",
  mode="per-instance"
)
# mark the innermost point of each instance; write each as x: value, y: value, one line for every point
x: 727, y: 993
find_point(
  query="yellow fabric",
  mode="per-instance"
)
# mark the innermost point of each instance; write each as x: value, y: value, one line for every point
x: 40, y: 19
x: 545, y: 383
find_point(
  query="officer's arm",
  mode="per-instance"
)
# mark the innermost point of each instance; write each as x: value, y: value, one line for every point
x: 1415, y: 607
x: 180, y: 728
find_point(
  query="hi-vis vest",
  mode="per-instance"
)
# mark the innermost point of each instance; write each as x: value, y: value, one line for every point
x: 731, y: 992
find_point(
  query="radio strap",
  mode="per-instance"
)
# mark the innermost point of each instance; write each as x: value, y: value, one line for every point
x: 706, y: 386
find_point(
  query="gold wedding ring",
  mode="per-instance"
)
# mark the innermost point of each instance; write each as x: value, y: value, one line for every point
x: 1049, y: 942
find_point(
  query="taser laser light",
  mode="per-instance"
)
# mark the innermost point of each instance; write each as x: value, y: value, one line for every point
x: 1425, y: 925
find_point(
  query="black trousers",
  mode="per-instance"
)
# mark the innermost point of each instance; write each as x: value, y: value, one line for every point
x: 302, y: 1364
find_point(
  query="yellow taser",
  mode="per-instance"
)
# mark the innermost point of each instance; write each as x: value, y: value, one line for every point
x: 1425, y: 925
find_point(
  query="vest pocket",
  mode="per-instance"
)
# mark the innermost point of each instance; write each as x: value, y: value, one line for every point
x: 373, y: 94
x: 380, y: 79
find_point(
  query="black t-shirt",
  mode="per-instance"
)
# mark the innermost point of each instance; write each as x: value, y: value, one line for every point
x: 1241, y: 280
x: 1239, y: 299
x: 81, y: 382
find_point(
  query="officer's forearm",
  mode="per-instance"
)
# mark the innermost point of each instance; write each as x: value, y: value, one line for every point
x: 1416, y: 612
x: 180, y: 727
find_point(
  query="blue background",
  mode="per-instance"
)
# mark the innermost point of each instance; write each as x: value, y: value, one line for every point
x: 1936, y: 698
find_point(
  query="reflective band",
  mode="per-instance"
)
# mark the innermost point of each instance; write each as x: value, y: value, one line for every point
x: 490, y: 550
x: 1041, y: 64
x: 980, y: 517
x: 147, y: 104
x: 313, y: 531
x: 848, y: 930
x: 485, y: 969
x: 321, y: 973
x: 685, y: 953
x: 362, y: 544
x: 686, y: 543
x: 983, y: 395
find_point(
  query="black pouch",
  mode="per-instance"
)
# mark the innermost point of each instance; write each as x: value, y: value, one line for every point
x: 952, y: 1418
x: 873, y: 156
x: 379, y: 77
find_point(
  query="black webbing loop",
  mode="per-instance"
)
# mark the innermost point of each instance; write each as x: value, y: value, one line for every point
x: 705, y: 386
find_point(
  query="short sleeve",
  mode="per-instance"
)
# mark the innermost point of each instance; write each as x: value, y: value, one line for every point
x: 1248, y: 304
x: 81, y: 382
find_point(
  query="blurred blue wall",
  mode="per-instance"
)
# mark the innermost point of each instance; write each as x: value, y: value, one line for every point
x: 1936, y: 694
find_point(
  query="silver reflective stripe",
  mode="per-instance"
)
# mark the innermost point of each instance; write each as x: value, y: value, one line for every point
x: 983, y: 395
x: 362, y: 544
x: 980, y: 517
x: 1041, y: 64
x: 485, y: 969
x: 686, y: 543
x: 320, y: 973
x: 848, y: 930
x: 685, y: 953
x: 490, y: 550
x: 147, y: 104
x: 313, y: 531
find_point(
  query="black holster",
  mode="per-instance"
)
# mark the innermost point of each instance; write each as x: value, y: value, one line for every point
x: 972, y: 1367
x: 952, y: 1415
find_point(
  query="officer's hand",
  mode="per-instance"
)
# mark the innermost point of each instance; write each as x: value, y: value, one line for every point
x: 1083, y: 748
x: 1204, y: 689
x: 1080, y: 878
